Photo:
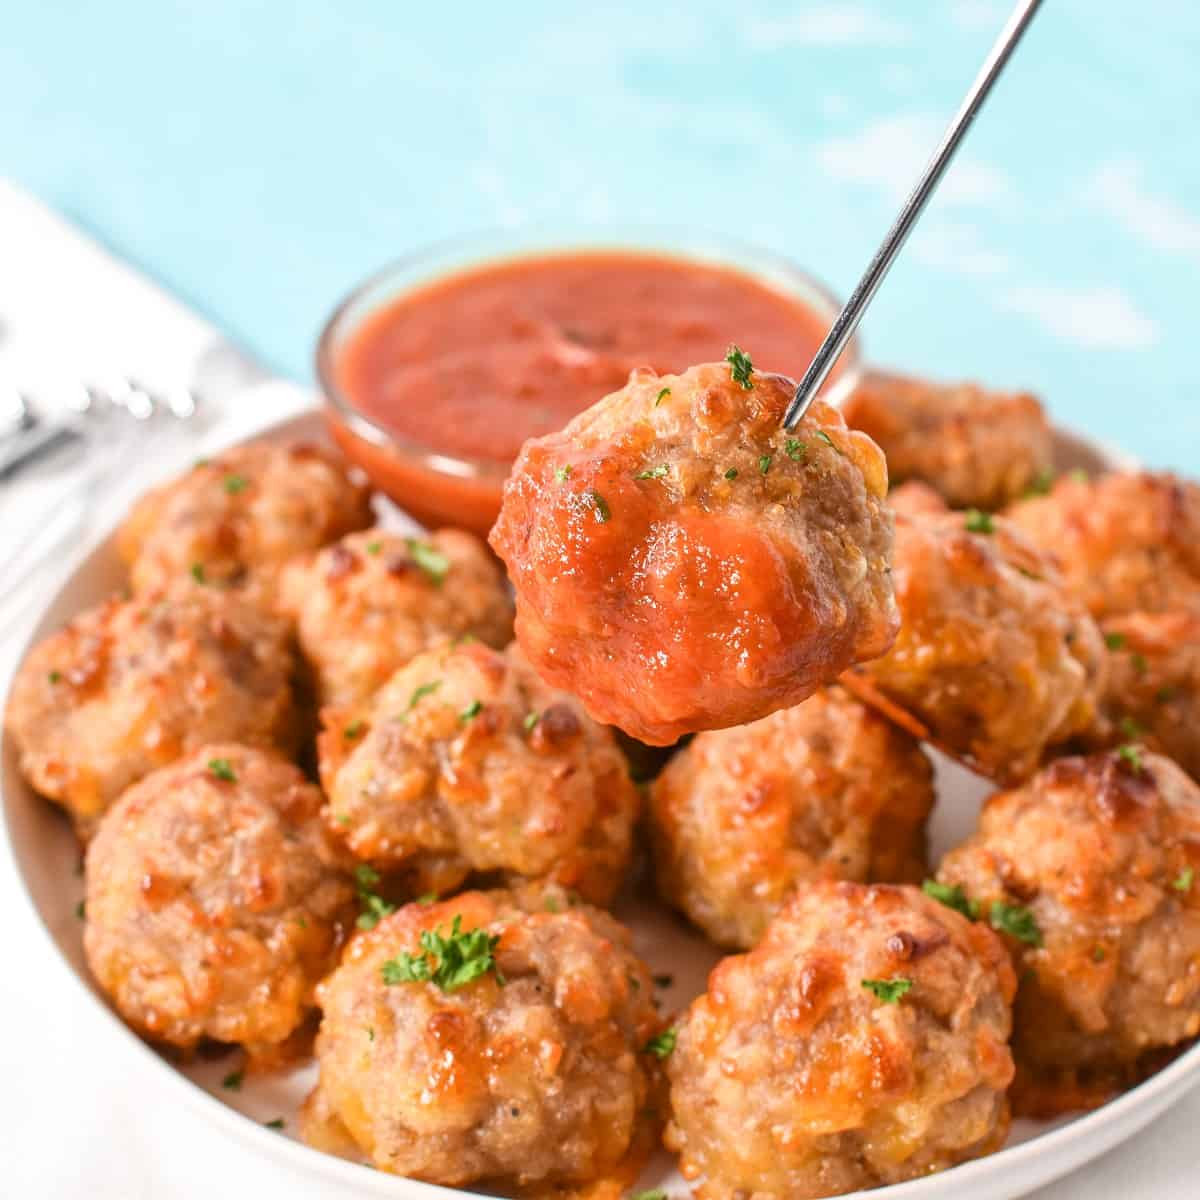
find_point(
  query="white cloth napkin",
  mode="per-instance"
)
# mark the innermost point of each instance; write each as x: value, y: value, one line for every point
x: 77, y: 1119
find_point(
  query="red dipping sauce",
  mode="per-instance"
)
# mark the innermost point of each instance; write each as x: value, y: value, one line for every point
x: 434, y: 390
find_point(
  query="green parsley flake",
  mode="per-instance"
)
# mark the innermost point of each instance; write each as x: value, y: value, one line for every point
x: 795, y: 449
x: 829, y: 441
x: 740, y: 367
x: 419, y: 693
x: 1041, y: 483
x: 233, y: 1081
x: 370, y: 1034
x: 1130, y: 728
x: 889, y: 991
x: 1016, y: 921
x: 978, y: 521
x: 653, y: 472
x: 732, y: 473
x: 1139, y: 663
x: 551, y: 904
x: 55, y: 677
x: 222, y: 769
x: 562, y: 474
x: 634, y: 982
x: 198, y: 572
x: 427, y: 898
x: 431, y: 560
x: 342, y: 818
x: 1165, y: 695
x: 374, y: 548
x: 649, y: 1194
x: 450, y: 962
x: 659, y: 398
x: 764, y: 464
x: 471, y: 711
x: 1114, y: 641
x: 354, y: 729
x: 952, y: 896
x: 374, y: 906
x: 235, y: 484
x: 531, y: 719
x: 276, y: 1124
x: 1099, y: 954
x: 1184, y: 880
x: 1131, y: 756
x: 662, y: 1044
x: 599, y: 506
x: 1079, y: 475
x: 81, y: 910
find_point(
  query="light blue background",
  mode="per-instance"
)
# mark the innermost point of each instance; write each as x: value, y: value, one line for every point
x: 259, y: 157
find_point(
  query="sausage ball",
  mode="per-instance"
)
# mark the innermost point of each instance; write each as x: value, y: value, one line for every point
x: 1126, y: 542
x: 977, y: 449
x: 466, y: 763
x: 367, y: 604
x: 1090, y: 870
x: 215, y: 902
x: 683, y: 563
x: 995, y: 662
x: 498, y: 1036
x: 863, y: 1042
x: 827, y: 789
x: 234, y: 520
x: 131, y: 686
x: 1153, y: 691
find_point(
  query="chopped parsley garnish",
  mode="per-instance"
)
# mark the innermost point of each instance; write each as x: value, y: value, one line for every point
x: 1099, y: 954
x: 222, y: 769
x: 419, y: 693
x: 634, y: 982
x: 649, y: 1194
x: 795, y: 449
x: 342, y: 818
x: 659, y: 398
x: 374, y: 906
x: 450, y: 962
x: 531, y: 719
x: 1016, y: 921
x: 1139, y: 663
x: 600, y: 507
x: 1184, y: 880
x: 732, y: 473
x: 1131, y: 756
x: 1041, y: 483
x: 1165, y: 695
x: 276, y: 1124
x: 354, y: 729
x: 662, y: 1044
x: 471, y: 711
x: 235, y: 484
x: 81, y: 910
x: 1130, y: 728
x: 431, y: 560
x: 374, y: 548
x: 551, y: 904
x: 197, y: 569
x: 1114, y: 641
x: 888, y: 990
x: 427, y: 898
x: 55, y: 677
x: 1079, y: 475
x: 562, y: 474
x: 952, y: 896
x: 740, y: 367
x: 663, y: 981
x: 233, y: 1081
x: 978, y: 521
x: 828, y: 440
x: 764, y: 464
x: 653, y: 472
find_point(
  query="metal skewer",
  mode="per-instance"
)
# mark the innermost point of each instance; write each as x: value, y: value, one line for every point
x: 847, y: 320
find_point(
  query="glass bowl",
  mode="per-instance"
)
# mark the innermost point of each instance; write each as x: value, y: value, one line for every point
x: 440, y: 487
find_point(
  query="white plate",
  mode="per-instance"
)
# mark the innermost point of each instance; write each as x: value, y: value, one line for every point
x: 46, y: 857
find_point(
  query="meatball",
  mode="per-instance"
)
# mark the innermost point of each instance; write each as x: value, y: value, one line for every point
x: 995, y: 662
x: 131, y: 686
x: 465, y: 762
x: 862, y: 1042
x: 916, y: 499
x: 215, y: 902
x: 234, y: 520
x: 367, y: 604
x: 498, y: 1036
x: 827, y: 789
x: 977, y: 449
x: 1090, y: 871
x: 1126, y: 542
x: 683, y: 563
x: 1153, y: 691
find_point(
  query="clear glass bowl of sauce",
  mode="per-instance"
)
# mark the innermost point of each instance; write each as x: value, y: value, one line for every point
x: 437, y: 369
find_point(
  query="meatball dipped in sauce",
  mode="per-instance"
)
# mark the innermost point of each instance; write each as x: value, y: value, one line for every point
x: 682, y: 563
x: 216, y: 901
x: 862, y: 1042
x: 827, y: 789
x: 500, y: 1036
x: 466, y: 763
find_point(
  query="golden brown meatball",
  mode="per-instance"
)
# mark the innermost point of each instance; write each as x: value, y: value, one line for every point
x: 367, y: 604
x: 682, y: 563
x: 1090, y: 871
x: 916, y: 499
x: 498, y: 1036
x: 977, y: 449
x: 827, y: 789
x: 215, y: 902
x: 995, y: 662
x: 1126, y: 542
x: 862, y: 1042
x: 466, y: 763
x: 234, y: 520
x: 133, y: 685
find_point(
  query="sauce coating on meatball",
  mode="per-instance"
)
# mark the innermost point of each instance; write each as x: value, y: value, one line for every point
x: 682, y: 563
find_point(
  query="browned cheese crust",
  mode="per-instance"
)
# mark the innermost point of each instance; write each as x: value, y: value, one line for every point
x: 465, y: 763
x: 215, y: 901
x: 133, y: 685
x: 827, y: 789
x: 791, y: 1080
x: 682, y: 563
x: 540, y: 1080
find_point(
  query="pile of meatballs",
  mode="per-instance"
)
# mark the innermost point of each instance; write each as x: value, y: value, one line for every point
x: 331, y: 807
